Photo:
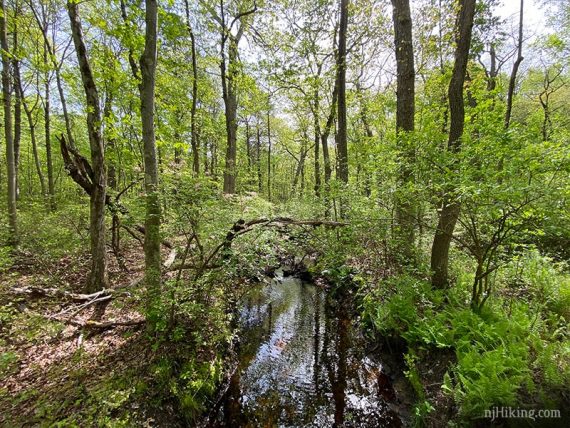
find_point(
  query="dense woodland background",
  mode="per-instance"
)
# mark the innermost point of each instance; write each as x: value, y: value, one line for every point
x: 157, y: 159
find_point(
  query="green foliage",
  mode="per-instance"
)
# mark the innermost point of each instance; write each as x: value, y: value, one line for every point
x: 8, y: 363
x: 48, y: 235
x: 505, y: 352
x: 5, y: 258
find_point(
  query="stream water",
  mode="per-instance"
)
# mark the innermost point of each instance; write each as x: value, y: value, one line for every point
x: 302, y: 364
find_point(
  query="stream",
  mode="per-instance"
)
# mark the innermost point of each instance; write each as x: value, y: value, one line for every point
x: 302, y: 363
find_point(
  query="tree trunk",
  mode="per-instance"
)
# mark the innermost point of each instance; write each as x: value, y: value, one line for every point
x: 268, y: 156
x: 47, y: 133
x: 147, y: 93
x: 33, y: 140
x: 325, y: 136
x: 363, y: 112
x: 107, y: 114
x: 98, y: 276
x: 451, y: 207
x: 259, y: 178
x: 17, y: 105
x: 248, y: 145
x: 342, y: 145
x: 317, y: 129
x: 10, y: 155
x: 514, y: 72
x: 194, y: 139
x: 300, y: 163
x: 230, y: 103
x: 405, y: 112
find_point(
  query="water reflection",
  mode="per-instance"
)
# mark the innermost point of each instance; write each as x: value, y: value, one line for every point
x: 301, y: 365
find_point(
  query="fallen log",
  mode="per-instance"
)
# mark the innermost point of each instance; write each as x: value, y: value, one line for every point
x: 37, y: 292
x: 103, y: 325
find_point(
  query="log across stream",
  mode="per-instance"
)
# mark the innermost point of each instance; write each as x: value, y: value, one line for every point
x: 302, y: 363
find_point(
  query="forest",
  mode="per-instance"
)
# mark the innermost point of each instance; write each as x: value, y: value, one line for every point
x: 293, y: 213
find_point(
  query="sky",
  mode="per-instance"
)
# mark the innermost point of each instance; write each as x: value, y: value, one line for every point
x: 534, y: 19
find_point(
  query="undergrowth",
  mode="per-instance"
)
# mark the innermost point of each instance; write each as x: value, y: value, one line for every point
x: 515, y: 352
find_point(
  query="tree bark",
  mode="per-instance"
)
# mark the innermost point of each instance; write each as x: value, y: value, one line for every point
x: 268, y: 155
x: 33, y: 140
x: 342, y: 145
x: 405, y: 114
x: 147, y: 94
x: 317, y: 130
x: 514, y: 72
x: 193, y: 137
x: 230, y: 73
x: 451, y: 207
x: 259, y: 178
x: 98, y: 276
x: 17, y: 102
x: 325, y: 137
x: 8, y: 135
x: 230, y: 103
x: 47, y: 133
x: 248, y: 144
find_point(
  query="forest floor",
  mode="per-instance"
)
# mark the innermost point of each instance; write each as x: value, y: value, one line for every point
x: 52, y: 370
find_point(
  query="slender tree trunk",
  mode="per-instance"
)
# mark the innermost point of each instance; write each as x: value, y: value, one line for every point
x: 268, y: 155
x: 152, y: 221
x: 369, y: 135
x: 47, y: 133
x: 111, y: 143
x: 342, y: 145
x: 300, y: 161
x: 230, y: 103
x: 259, y: 178
x: 248, y: 145
x: 32, y: 125
x: 451, y: 207
x: 49, y: 53
x: 17, y: 104
x: 405, y: 113
x: 98, y: 276
x: 194, y: 139
x: 325, y: 136
x: 317, y: 129
x: 514, y: 72
x: 10, y: 155
x: 546, y: 121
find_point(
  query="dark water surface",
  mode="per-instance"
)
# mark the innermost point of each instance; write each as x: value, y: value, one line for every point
x: 302, y: 364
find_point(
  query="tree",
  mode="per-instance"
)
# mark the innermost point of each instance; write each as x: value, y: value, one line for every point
x: 450, y: 206
x: 98, y: 275
x: 405, y: 112
x: 152, y: 238
x: 514, y: 71
x: 193, y: 131
x: 232, y: 25
x: 342, y: 145
x: 8, y: 132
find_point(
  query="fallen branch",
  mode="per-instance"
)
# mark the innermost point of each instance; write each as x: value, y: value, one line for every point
x: 37, y: 292
x: 83, y: 306
x: 241, y: 227
x: 103, y: 325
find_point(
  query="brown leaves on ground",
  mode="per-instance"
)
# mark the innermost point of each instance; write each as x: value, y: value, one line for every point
x: 45, y: 360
